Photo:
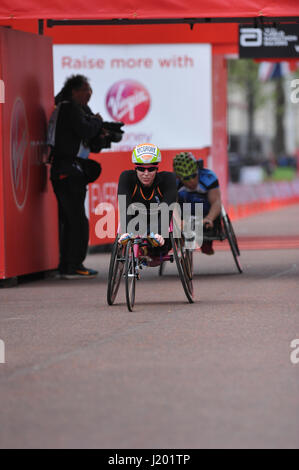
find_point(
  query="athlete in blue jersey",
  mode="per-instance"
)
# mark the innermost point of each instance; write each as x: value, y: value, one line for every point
x: 198, y: 185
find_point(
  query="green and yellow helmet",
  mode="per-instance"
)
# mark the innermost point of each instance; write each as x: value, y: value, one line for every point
x: 146, y: 153
x: 185, y: 165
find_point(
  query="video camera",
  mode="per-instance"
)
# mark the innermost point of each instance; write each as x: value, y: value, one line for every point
x: 111, y: 132
x: 114, y: 129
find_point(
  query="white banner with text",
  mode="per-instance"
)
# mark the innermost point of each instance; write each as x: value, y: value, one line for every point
x: 162, y: 92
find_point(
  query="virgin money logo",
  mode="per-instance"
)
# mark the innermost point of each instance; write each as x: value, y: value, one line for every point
x: 128, y: 101
x: 19, y: 153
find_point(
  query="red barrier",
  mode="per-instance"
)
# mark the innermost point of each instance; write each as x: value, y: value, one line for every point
x: 247, y: 200
x: 28, y: 210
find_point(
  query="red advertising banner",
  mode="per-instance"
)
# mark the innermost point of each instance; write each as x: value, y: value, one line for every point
x: 2, y: 243
x: 249, y: 199
x: 28, y: 225
x: 134, y: 9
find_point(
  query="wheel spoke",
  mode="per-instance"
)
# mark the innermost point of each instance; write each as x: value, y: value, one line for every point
x: 130, y: 275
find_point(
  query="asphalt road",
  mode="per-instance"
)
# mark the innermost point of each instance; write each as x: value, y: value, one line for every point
x: 214, y: 374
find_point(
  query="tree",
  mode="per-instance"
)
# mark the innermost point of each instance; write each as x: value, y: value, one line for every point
x: 279, y: 146
x: 244, y: 73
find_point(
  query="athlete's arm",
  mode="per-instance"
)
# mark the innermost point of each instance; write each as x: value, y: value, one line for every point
x: 126, y: 185
x: 214, y: 197
x: 168, y: 187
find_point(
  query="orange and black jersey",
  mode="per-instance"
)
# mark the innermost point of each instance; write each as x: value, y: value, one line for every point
x: 163, y: 189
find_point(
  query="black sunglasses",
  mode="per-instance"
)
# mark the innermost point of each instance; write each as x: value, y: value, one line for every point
x: 187, y: 178
x: 149, y: 168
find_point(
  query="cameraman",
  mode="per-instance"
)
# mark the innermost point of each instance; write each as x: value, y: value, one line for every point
x: 72, y: 126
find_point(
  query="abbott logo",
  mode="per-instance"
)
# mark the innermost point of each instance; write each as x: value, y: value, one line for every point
x: 251, y: 37
x: 295, y: 354
x: 2, y: 352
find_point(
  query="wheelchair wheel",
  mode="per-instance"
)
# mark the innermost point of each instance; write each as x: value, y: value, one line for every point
x: 184, y: 265
x: 189, y: 263
x: 161, y: 269
x: 232, y: 239
x: 116, y: 268
x: 130, y: 275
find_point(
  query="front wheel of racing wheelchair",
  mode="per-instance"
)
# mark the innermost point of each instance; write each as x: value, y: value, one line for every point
x: 116, y: 268
x: 122, y: 264
x: 131, y: 274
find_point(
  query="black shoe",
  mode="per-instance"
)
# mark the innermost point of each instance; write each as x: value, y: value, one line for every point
x: 80, y: 273
x: 207, y: 248
x: 92, y: 271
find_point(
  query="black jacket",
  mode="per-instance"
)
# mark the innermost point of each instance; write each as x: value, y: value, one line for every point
x: 73, y: 126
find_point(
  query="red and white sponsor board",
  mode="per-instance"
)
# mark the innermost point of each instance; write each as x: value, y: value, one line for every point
x: 162, y: 92
x: 28, y: 210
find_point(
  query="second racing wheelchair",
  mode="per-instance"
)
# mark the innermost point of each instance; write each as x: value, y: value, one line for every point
x: 222, y: 230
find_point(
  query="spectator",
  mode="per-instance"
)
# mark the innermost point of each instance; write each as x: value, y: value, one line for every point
x: 71, y: 125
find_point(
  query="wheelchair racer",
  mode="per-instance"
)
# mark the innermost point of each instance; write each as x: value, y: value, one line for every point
x: 197, y: 184
x: 145, y: 184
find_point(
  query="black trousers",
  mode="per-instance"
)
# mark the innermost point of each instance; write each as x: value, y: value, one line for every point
x: 73, y: 223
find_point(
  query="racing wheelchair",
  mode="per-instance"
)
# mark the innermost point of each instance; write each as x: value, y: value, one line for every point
x: 128, y: 261
x: 223, y: 230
